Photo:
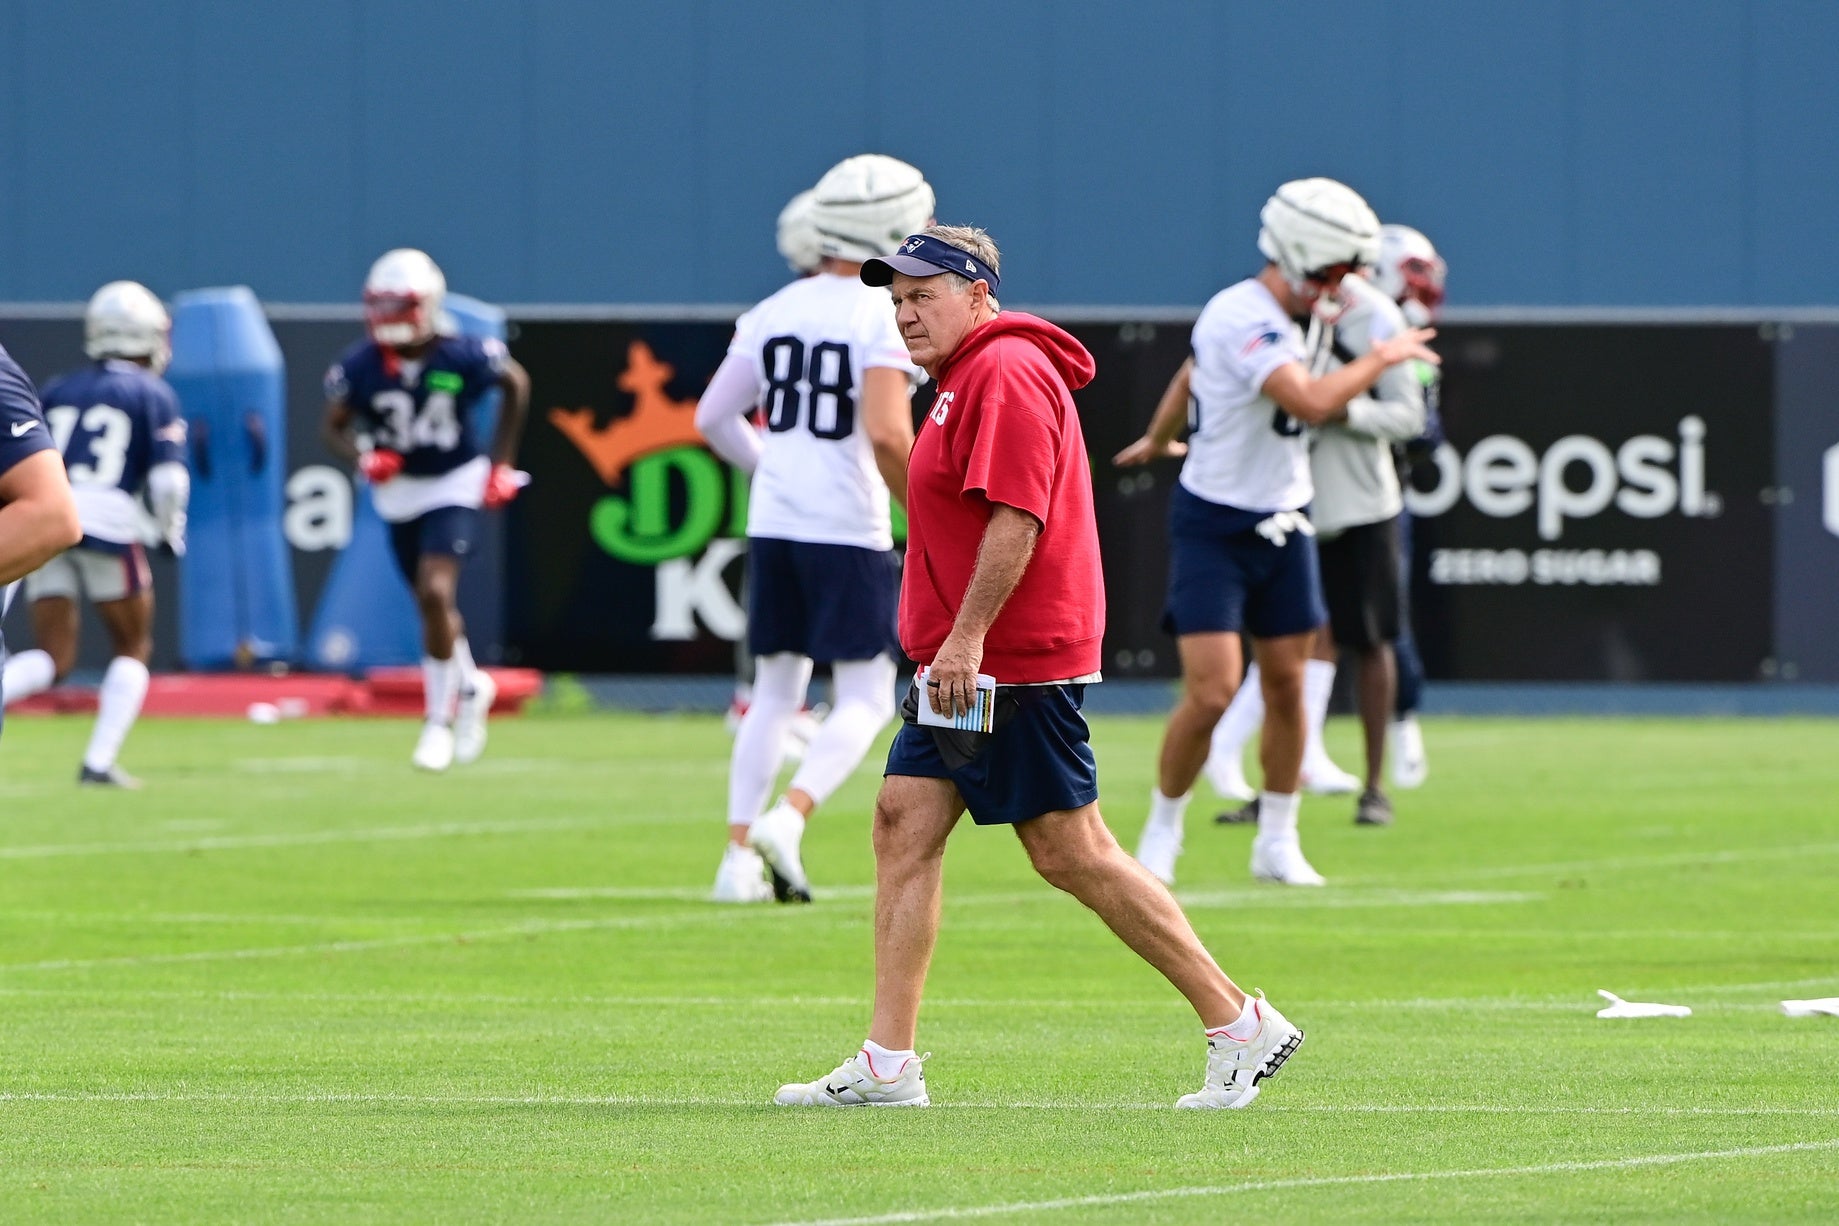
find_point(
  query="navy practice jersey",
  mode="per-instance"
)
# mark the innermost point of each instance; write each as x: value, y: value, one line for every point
x: 421, y: 409
x: 22, y: 425
x: 113, y: 420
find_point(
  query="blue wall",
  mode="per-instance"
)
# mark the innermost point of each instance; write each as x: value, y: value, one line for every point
x: 1639, y: 152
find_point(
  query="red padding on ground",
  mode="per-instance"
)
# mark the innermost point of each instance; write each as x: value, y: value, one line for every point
x: 395, y: 691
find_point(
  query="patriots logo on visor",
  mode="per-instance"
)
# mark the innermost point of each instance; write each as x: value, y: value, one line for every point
x: 1258, y: 342
x: 912, y: 245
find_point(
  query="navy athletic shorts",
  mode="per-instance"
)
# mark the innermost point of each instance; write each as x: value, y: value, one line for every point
x: 1038, y: 760
x: 447, y: 531
x: 1225, y: 575
x: 828, y: 602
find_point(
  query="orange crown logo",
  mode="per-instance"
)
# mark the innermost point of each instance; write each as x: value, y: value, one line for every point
x: 656, y: 422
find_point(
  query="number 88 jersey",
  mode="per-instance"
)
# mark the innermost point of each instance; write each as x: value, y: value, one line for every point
x: 421, y: 408
x: 113, y: 422
x: 808, y: 346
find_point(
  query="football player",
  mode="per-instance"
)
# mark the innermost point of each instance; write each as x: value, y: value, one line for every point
x: 399, y: 405
x: 825, y: 360
x: 1411, y: 273
x: 1242, y: 551
x: 38, y: 515
x: 119, y: 428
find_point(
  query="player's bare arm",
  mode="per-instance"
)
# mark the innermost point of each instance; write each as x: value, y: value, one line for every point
x: 1008, y: 544
x: 887, y: 419
x: 1316, y: 402
x: 38, y: 517
x: 1159, y: 441
x: 513, y: 411
x: 335, y: 429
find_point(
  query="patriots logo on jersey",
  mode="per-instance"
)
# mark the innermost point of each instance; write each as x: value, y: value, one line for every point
x: 1260, y: 341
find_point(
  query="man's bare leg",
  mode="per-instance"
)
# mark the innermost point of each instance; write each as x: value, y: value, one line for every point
x: 913, y: 817
x: 1281, y: 662
x: 1074, y: 851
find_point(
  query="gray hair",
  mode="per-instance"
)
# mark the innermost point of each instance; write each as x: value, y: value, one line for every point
x: 972, y: 240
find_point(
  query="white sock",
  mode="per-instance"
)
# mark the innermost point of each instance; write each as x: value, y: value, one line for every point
x: 28, y: 673
x: 779, y: 683
x: 438, y: 678
x: 1243, y: 1028
x: 884, y: 1062
x: 1277, y: 814
x: 124, y: 688
x: 864, y: 705
x: 1168, y: 811
x: 1318, y: 684
x: 1242, y: 719
x: 464, y: 668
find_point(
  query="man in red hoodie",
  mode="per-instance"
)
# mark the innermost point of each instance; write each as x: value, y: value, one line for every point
x: 1003, y: 583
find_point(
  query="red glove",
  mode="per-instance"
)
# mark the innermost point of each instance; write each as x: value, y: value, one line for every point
x: 379, y: 464
x: 502, y: 485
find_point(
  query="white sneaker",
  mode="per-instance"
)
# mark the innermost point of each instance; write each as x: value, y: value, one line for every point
x: 469, y: 724
x: 742, y: 877
x: 1226, y: 772
x: 854, y: 1084
x: 1234, y: 1069
x: 1158, y: 849
x: 434, y: 751
x: 1281, y: 860
x: 1409, y: 766
x: 776, y: 834
x: 1324, y: 778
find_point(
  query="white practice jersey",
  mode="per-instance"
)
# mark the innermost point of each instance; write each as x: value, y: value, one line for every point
x: 1244, y: 451
x: 808, y: 346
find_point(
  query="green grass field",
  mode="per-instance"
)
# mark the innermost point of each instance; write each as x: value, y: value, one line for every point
x: 293, y: 982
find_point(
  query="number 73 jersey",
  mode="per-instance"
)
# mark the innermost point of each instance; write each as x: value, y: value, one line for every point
x: 808, y: 346
x: 421, y: 408
x: 112, y: 422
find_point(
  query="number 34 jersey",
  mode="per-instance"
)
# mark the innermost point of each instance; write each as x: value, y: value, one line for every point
x: 808, y: 346
x: 113, y: 422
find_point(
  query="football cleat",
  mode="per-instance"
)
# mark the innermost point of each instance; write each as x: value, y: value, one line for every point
x: 434, y: 751
x: 1244, y: 814
x: 1374, y: 809
x: 741, y: 877
x: 856, y: 1084
x: 1158, y: 849
x: 1409, y: 766
x: 776, y: 835
x: 1281, y: 860
x: 1324, y: 778
x: 469, y: 723
x: 1235, y: 1068
x: 113, y: 777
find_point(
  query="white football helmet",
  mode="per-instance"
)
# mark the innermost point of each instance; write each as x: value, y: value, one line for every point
x: 1313, y: 224
x: 1411, y: 273
x: 125, y: 320
x: 865, y: 206
x: 402, y: 298
x: 798, y: 239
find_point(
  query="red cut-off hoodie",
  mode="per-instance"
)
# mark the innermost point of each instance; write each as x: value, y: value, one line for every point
x: 1003, y: 428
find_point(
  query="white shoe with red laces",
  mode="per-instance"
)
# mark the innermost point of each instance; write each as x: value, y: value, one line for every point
x: 857, y: 1083
x: 1235, y: 1068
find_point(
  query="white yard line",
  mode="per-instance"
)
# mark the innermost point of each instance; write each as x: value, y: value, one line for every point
x: 302, y: 838
x: 1321, y: 1181
x: 532, y: 928
x: 699, y: 1101
x: 1654, y: 860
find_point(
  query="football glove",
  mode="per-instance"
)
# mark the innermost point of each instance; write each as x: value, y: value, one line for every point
x: 379, y: 464
x: 502, y: 485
